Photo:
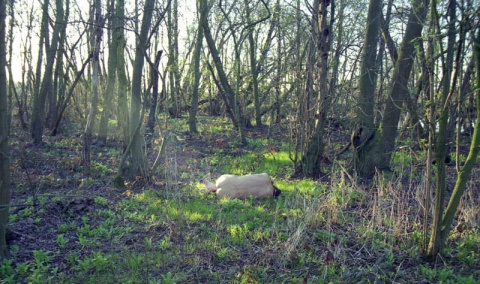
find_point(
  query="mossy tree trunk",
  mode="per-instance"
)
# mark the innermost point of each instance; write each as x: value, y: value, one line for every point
x: 442, y: 220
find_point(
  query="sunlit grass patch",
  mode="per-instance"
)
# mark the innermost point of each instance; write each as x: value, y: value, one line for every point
x: 274, y: 164
x: 149, y: 207
x: 277, y: 163
x: 196, y: 210
x: 234, y: 211
x: 306, y: 187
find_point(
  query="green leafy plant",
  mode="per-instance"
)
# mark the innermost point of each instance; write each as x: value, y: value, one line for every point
x: 63, y: 228
x: 62, y: 241
x: 168, y: 278
x: 100, y: 200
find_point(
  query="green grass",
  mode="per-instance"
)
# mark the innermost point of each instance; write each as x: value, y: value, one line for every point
x: 336, y: 231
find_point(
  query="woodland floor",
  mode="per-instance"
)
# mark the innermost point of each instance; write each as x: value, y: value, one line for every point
x: 330, y: 230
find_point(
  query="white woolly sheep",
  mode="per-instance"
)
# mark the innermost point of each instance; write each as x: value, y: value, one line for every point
x: 243, y: 187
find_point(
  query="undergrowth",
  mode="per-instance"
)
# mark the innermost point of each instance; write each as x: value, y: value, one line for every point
x: 172, y: 231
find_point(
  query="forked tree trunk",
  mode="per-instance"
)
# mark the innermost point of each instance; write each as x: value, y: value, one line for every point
x: 39, y: 101
x: 377, y: 147
x: 368, y: 79
x: 153, y: 106
x: 41, y: 90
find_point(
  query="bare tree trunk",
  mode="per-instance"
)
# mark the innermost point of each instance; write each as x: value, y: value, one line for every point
x: 153, y: 106
x: 59, y: 84
x: 4, y: 151
x: 442, y: 223
x: 39, y: 97
x: 230, y: 94
x: 137, y: 155
x: 192, y: 120
x: 277, y: 105
x: 368, y: 78
x: 69, y: 95
x: 174, y: 76
x: 311, y: 159
x: 299, y: 132
x: 113, y: 22
x: 12, y: 88
x: 88, y: 132
x: 253, y: 65
x: 439, y: 231
x: 123, y: 117
x: 376, y: 149
x: 38, y: 113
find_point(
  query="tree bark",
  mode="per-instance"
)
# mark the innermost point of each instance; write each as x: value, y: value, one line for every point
x: 64, y: 104
x: 59, y: 84
x: 113, y: 23
x: 441, y: 222
x: 4, y: 151
x: 368, y: 77
x: 230, y: 94
x: 137, y: 155
x: 39, y: 96
x: 88, y: 132
x: 376, y: 148
x: 192, y: 119
x: 123, y: 117
x: 311, y: 159
x: 253, y: 65
x: 153, y: 106
x: 174, y: 75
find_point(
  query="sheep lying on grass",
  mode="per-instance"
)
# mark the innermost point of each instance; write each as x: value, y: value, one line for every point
x: 243, y: 187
